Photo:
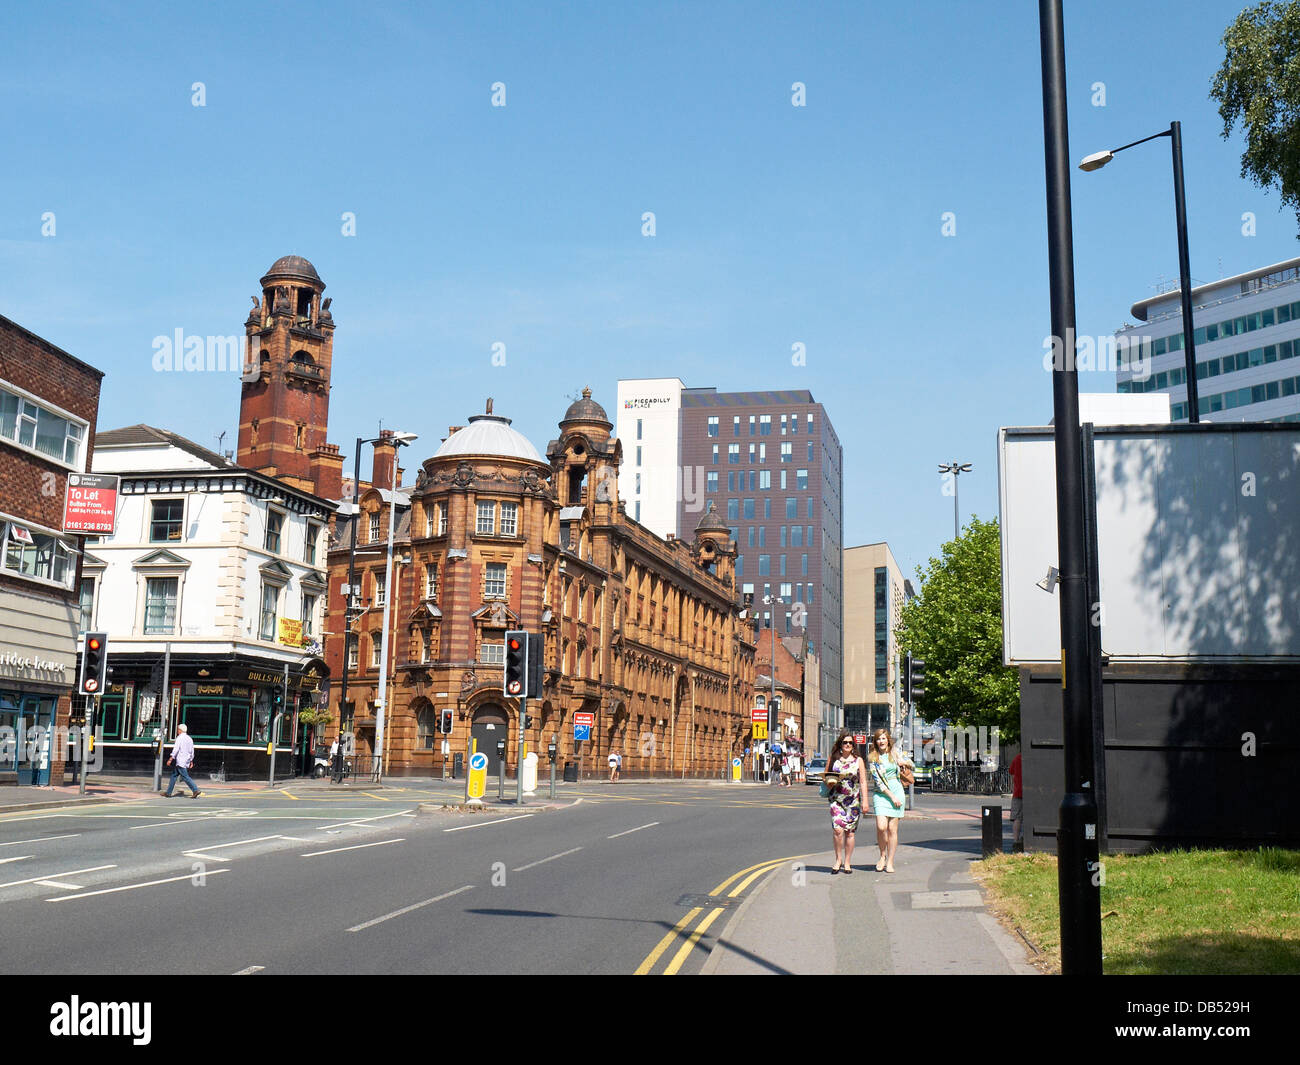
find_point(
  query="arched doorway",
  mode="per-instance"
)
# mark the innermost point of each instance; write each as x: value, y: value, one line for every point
x: 490, y: 724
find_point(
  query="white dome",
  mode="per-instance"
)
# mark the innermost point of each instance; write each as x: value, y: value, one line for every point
x: 489, y: 434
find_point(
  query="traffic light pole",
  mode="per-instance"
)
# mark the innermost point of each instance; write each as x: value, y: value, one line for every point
x: 519, y: 749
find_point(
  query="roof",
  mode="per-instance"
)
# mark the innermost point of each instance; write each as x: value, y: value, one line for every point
x: 148, y: 434
x: 1139, y: 310
x: 292, y: 267
x: 489, y: 434
x: 586, y: 410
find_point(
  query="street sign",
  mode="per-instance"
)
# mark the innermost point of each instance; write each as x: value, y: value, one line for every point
x: 587, y: 719
x: 860, y: 738
x: 90, y: 504
x: 581, y: 733
x: 760, y: 730
x: 735, y: 769
x: 759, y: 713
x: 478, y: 763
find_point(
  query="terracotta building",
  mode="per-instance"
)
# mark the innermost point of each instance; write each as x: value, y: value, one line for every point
x: 643, y: 633
x: 792, y: 724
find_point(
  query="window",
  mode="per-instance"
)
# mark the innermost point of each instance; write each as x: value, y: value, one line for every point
x: 713, y: 427
x: 762, y: 452
x: 783, y: 485
x: 381, y: 590
x: 767, y: 508
x: 638, y: 436
x: 787, y: 593
x: 752, y: 534
x: 733, y: 509
x: 160, y: 605
x: 810, y: 451
x: 309, y: 551
x: 764, y: 480
x: 442, y: 519
x: 430, y: 521
x: 87, y: 603
x: 374, y: 527
x: 753, y: 453
x: 494, y: 645
x: 494, y: 579
x: 794, y: 423
x: 803, y: 572
x: 733, y: 454
x: 509, y: 519
x: 796, y: 536
x: 715, y: 454
x: 309, y: 615
x: 783, y: 535
x: 740, y: 565
x: 167, y: 520
x: 731, y: 480
x: 376, y: 649
x: 810, y: 424
x: 711, y: 482
x: 36, y: 554
x: 791, y: 507
x: 787, y: 451
x: 751, y: 425
x: 270, y: 607
x: 486, y: 524
x: 764, y: 565
x: 810, y: 513
x: 352, y: 651
x: 30, y: 425
x: 735, y: 425
x: 765, y: 425
x: 762, y: 535
x: 274, y: 528
x: 431, y: 581
x: 783, y: 425
x: 749, y: 510
x: 801, y: 480
x: 638, y: 454
x: 783, y: 565
x: 638, y: 485
x: 809, y: 539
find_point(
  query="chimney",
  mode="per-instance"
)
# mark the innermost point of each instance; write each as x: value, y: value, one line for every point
x: 385, y: 458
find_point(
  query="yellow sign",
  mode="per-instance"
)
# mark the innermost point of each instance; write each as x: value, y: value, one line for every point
x: 291, y: 632
x: 760, y: 730
x: 478, y: 763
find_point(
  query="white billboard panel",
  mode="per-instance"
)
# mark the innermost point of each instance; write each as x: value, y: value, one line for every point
x: 1198, y: 543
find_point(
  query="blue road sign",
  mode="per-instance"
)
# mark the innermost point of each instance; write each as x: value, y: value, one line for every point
x: 478, y: 760
x: 581, y: 733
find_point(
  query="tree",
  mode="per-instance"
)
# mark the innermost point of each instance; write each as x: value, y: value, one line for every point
x: 1259, y: 86
x: 955, y: 626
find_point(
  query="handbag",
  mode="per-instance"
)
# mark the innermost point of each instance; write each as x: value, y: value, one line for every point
x: 906, y: 775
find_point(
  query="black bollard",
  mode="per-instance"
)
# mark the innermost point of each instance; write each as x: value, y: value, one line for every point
x: 991, y: 822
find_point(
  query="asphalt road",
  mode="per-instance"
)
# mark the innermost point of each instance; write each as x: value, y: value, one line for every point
x: 356, y: 882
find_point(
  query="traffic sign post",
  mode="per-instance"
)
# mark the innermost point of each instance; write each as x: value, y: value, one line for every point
x: 476, y: 779
x: 735, y: 770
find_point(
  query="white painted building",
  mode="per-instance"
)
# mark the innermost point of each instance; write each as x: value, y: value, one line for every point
x: 224, y: 566
x: 648, y: 423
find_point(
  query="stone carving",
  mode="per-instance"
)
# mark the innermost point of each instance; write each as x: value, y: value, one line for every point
x: 464, y: 475
x: 468, y: 681
x: 498, y: 614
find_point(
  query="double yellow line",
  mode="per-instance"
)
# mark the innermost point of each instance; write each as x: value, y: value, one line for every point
x: 689, y: 940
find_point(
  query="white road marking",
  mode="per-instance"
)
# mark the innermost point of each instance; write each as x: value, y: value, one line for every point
x: 249, y: 971
x: 357, y: 847
x: 6, y: 861
x: 481, y: 824
x: 360, y: 821
x: 39, y: 839
x: 408, y: 909
x: 543, y: 861
x: 70, y: 872
x: 132, y: 887
x: 202, y: 852
x: 58, y: 884
x: 631, y: 830
x: 178, y: 821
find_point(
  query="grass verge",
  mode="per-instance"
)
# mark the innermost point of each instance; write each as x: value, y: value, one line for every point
x: 1185, y: 912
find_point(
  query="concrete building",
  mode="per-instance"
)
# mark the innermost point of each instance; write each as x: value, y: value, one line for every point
x: 1247, y: 334
x: 49, y: 402
x: 642, y: 632
x: 874, y: 593
x: 772, y: 464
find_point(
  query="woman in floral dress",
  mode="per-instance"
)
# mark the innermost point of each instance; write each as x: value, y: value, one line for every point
x: 846, y: 799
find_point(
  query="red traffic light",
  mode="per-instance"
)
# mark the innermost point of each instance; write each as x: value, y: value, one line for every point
x: 93, y: 643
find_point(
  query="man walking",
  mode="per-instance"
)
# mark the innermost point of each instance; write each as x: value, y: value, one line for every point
x: 181, y: 760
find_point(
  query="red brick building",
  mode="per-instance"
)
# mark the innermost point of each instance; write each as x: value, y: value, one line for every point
x: 49, y: 401
x: 643, y: 633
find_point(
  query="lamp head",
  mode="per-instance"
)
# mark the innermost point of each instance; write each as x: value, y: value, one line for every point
x: 1096, y: 160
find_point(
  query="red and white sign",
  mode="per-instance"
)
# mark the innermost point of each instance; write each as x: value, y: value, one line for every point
x: 581, y: 719
x: 759, y: 713
x: 860, y: 738
x: 91, y: 503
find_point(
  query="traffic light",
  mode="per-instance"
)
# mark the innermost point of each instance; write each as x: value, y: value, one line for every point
x: 528, y: 721
x: 444, y: 723
x: 94, y: 663
x: 916, y: 679
x: 277, y: 698
x: 515, y: 682
x: 906, y: 678
x: 536, y: 648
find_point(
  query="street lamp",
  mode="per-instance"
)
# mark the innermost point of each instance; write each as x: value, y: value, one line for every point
x: 956, y: 469
x: 1099, y: 159
x: 351, y: 608
x: 770, y: 601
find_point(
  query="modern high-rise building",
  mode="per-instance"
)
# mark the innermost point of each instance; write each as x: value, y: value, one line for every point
x: 874, y: 593
x: 771, y: 465
x: 1247, y: 333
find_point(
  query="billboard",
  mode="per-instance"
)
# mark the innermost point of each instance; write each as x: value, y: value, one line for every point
x: 1198, y: 543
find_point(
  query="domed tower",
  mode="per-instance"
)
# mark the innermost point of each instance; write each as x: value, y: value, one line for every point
x: 585, y: 459
x: 713, y: 548
x: 284, y: 397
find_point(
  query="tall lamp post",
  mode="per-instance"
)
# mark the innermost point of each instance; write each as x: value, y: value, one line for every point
x: 1099, y: 159
x: 770, y: 601
x: 352, y: 608
x: 956, y: 469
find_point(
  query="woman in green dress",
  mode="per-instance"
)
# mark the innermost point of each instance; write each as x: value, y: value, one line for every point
x: 887, y: 799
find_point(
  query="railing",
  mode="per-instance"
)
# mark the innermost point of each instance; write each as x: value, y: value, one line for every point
x: 970, y: 780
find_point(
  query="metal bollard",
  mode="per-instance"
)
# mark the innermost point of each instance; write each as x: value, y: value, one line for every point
x: 991, y: 824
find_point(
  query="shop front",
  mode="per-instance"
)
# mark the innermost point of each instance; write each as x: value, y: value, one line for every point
x: 37, y: 657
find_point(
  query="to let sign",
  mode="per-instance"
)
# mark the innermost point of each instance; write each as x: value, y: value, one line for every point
x: 91, y: 503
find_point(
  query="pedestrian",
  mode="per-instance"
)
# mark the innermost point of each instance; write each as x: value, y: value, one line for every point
x: 796, y: 768
x: 615, y: 765
x: 785, y: 770
x: 1017, y: 806
x: 887, y: 795
x: 845, y: 794
x: 336, y: 759
x: 181, y: 760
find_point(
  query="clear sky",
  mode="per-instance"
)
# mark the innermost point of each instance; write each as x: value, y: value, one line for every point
x: 521, y: 225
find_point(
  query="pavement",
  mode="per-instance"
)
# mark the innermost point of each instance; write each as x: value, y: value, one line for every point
x: 930, y: 916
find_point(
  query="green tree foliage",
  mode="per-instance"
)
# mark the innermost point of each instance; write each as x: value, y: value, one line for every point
x: 955, y: 626
x: 1259, y: 86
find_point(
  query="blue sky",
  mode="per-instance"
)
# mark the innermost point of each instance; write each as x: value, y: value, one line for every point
x: 522, y: 225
